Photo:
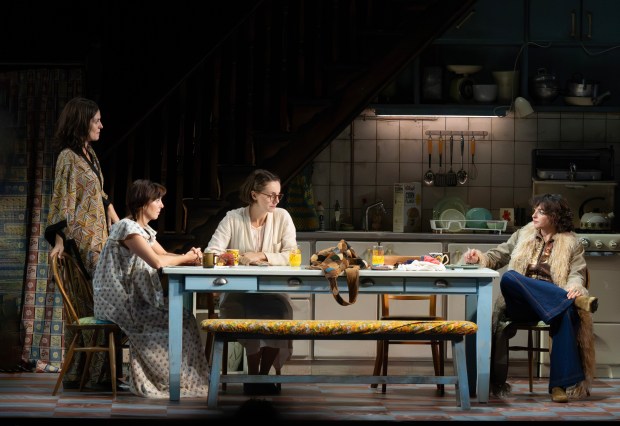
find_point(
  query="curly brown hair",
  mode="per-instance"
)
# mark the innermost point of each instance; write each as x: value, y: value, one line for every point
x: 557, y: 208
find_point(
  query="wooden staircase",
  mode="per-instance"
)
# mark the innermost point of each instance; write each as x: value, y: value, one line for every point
x: 272, y: 93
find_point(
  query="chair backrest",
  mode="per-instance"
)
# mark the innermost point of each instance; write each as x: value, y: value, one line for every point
x: 76, y: 289
x: 430, y: 298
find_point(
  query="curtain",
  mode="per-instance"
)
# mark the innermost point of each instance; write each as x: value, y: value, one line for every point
x: 33, y: 99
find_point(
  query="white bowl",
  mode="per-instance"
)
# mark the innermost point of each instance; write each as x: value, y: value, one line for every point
x: 485, y: 93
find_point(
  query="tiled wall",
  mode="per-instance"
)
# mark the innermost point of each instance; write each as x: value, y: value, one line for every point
x: 360, y: 166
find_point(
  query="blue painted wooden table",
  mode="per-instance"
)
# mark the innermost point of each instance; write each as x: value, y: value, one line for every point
x: 475, y: 284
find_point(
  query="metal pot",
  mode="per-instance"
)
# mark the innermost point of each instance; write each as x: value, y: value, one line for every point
x: 544, y: 86
x: 579, y: 86
x: 594, y: 220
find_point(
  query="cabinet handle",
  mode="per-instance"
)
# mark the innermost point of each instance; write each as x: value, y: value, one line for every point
x: 573, y: 18
x: 469, y: 15
x: 589, y: 34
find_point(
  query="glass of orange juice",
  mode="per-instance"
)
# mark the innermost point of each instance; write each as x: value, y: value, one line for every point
x: 378, y: 255
x: 294, y: 258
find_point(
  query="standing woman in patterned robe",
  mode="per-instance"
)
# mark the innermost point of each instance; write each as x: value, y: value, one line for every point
x: 80, y: 213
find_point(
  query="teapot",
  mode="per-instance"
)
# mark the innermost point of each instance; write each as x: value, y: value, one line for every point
x: 595, y: 219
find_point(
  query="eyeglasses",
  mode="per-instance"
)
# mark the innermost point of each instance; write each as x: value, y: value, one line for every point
x: 273, y: 197
x: 539, y: 212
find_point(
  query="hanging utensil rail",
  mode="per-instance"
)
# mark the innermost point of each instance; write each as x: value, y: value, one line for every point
x: 482, y: 133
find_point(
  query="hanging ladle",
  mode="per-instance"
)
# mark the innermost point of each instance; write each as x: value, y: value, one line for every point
x: 461, y: 175
x: 429, y: 176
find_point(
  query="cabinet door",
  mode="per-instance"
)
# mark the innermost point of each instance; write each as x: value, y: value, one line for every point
x: 489, y: 21
x: 554, y: 20
x: 589, y: 21
x: 599, y: 21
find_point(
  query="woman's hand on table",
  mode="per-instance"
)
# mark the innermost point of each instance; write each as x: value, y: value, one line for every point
x: 471, y: 256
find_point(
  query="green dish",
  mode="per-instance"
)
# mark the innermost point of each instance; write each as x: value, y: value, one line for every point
x: 465, y: 266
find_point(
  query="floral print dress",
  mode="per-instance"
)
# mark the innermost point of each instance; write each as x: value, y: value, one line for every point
x: 129, y: 292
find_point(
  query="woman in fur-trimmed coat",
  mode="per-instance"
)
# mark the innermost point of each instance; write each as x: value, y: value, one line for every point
x: 545, y: 281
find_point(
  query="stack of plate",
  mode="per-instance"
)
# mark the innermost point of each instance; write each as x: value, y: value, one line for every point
x: 452, y: 220
x: 447, y: 203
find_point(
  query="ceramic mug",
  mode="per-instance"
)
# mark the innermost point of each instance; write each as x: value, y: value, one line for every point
x: 209, y: 260
x: 442, y: 257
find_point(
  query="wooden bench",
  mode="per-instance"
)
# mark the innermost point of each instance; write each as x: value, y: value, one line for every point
x: 226, y: 330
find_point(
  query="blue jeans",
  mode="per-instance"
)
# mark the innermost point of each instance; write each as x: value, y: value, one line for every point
x: 529, y: 299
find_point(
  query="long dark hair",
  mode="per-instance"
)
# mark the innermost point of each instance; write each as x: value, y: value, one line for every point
x: 74, y: 124
x: 140, y: 193
x: 256, y: 181
x: 557, y: 208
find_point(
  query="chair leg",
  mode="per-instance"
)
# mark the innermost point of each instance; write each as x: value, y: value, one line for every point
x: 225, y: 362
x: 530, y: 358
x: 386, y: 346
x: 438, y: 362
x: 112, y: 356
x: 89, y: 357
x: 378, y: 361
x: 65, y: 366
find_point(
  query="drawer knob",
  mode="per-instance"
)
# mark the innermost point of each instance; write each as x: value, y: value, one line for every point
x: 294, y: 281
x: 220, y: 281
x: 367, y: 282
x: 441, y: 283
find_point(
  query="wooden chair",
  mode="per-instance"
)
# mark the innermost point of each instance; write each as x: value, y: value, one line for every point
x: 437, y: 346
x: 534, y: 329
x: 77, y: 297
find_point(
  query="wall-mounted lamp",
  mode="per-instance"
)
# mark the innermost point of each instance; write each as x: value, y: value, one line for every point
x: 523, y: 108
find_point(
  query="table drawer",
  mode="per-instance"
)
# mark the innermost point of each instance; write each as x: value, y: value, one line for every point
x: 321, y: 285
x: 220, y: 283
x: 441, y: 285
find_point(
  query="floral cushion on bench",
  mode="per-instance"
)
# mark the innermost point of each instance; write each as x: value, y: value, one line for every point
x: 337, y: 327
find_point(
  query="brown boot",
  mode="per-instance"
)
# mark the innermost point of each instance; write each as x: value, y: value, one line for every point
x: 558, y: 394
x: 587, y: 303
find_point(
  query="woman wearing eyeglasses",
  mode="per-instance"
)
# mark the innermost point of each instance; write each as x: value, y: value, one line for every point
x: 264, y: 235
x: 545, y: 281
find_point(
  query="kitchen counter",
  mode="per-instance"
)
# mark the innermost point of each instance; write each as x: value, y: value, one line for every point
x: 386, y: 236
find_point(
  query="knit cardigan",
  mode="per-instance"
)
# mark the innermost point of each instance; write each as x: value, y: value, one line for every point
x: 568, y: 270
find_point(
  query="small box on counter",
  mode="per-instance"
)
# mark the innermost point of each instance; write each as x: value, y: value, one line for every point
x: 407, y: 207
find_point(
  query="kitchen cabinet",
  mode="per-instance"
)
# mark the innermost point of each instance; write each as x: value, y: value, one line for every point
x: 574, y: 21
x: 535, y: 34
x: 488, y: 21
x: 604, y: 271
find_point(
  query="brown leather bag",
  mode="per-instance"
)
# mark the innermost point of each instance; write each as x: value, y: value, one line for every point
x: 336, y: 260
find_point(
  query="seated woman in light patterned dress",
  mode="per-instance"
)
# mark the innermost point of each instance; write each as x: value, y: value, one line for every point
x: 128, y: 291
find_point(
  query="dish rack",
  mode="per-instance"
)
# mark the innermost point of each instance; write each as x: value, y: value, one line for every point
x: 459, y: 225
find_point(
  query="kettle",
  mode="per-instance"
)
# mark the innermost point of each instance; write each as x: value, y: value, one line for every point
x: 594, y: 220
